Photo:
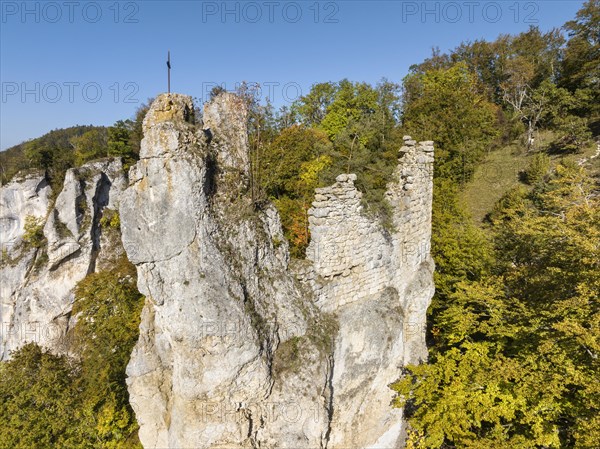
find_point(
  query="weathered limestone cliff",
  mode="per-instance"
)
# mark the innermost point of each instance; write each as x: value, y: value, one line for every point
x: 37, y: 281
x: 241, y: 348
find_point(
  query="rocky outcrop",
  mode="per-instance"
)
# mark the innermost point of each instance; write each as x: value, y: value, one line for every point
x: 37, y: 281
x: 238, y: 346
x: 24, y: 196
x: 219, y: 298
x: 378, y: 283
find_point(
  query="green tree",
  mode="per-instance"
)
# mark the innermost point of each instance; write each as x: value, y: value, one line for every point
x: 49, y: 401
x: 581, y: 63
x: 445, y: 105
x: 351, y: 102
x: 118, y: 140
x: 538, y: 168
x: 312, y: 108
x: 516, y: 356
x: 90, y: 145
x: 461, y: 251
x: 574, y: 134
x: 281, y: 164
x: 540, y: 50
x: 550, y: 106
x: 485, y: 60
x: 39, y: 400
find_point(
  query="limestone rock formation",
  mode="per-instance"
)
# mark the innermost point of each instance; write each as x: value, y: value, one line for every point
x: 240, y: 347
x: 36, y: 283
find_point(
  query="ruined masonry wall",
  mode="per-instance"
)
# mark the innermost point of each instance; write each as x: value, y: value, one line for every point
x: 352, y: 256
x: 411, y: 196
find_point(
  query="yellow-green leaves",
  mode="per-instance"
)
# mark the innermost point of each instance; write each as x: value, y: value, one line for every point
x: 49, y: 401
x: 34, y: 231
x: 515, y: 359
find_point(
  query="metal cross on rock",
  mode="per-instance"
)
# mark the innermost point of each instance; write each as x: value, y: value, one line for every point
x: 169, y: 71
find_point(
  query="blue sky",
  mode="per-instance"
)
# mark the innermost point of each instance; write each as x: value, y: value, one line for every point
x: 93, y: 62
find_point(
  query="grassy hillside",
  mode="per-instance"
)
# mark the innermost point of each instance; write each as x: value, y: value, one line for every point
x: 502, y: 169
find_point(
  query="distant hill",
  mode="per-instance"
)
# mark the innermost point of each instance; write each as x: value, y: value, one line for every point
x: 49, y: 149
x: 64, y: 148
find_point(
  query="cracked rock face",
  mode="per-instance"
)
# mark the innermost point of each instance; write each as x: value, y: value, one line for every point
x: 219, y: 300
x: 241, y: 348
x: 36, y: 284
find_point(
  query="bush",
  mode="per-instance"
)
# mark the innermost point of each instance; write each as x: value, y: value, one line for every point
x: 110, y: 218
x: 39, y: 401
x: 288, y: 356
x: 294, y: 220
x: 34, y: 232
x: 108, y: 307
x: 537, y: 170
x: 49, y: 401
x: 574, y: 135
